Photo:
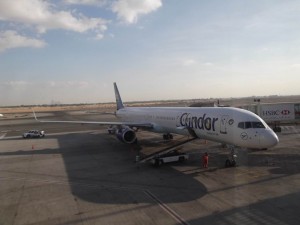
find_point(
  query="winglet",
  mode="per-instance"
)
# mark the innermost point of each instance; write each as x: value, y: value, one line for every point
x: 118, y: 98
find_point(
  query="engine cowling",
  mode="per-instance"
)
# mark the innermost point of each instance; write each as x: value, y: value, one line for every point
x: 126, y: 135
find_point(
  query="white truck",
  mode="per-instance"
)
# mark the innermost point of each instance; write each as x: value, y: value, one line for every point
x: 172, y: 156
x: 33, y: 134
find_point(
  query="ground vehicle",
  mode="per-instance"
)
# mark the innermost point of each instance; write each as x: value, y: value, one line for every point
x: 111, y: 129
x: 172, y: 156
x: 34, y: 134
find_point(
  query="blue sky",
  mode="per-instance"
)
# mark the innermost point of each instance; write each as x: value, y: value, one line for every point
x: 71, y: 51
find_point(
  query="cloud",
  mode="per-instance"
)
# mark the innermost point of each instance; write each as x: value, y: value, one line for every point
x: 296, y: 65
x: 44, y: 16
x: 128, y: 11
x: 11, y: 39
x: 66, y: 84
x: 37, y: 17
x: 87, y: 2
x: 15, y: 84
x: 208, y: 64
x: 22, y: 85
x: 188, y: 62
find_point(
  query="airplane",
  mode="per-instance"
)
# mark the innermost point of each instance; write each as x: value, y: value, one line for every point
x: 227, y: 125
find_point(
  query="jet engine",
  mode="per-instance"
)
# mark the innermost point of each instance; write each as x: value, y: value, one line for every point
x: 126, y: 135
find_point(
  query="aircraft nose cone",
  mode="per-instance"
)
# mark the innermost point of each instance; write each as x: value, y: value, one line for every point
x: 269, y: 139
x: 273, y: 139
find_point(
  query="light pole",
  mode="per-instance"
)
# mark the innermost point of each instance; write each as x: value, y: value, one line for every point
x: 258, y: 105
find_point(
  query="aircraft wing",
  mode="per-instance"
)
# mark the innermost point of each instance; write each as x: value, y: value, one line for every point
x: 132, y: 124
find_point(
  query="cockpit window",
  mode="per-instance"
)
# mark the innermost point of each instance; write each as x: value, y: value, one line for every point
x: 247, y: 125
x: 257, y: 125
x: 241, y: 125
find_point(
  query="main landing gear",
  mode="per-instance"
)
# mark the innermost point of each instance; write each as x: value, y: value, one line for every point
x: 231, y: 161
x: 168, y: 136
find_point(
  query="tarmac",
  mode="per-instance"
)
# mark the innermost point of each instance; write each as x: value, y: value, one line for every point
x: 82, y: 175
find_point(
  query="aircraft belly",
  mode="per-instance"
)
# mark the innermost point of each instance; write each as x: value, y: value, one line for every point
x: 213, y: 136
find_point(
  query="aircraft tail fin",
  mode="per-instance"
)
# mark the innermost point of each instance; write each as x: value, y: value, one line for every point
x: 118, y: 98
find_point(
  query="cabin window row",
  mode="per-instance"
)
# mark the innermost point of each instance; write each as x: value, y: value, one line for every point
x: 165, y: 118
x: 247, y: 125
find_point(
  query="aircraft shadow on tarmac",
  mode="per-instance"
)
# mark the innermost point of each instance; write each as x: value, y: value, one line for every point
x: 278, y: 210
x: 102, y: 170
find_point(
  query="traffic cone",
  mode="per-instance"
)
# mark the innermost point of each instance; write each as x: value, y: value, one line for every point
x: 32, y: 147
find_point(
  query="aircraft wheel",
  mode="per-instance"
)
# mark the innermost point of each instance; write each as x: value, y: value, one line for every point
x: 227, y: 163
x: 230, y: 163
x: 233, y: 163
x: 158, y: 162
x: 181, y: 159
x: 165, y: 137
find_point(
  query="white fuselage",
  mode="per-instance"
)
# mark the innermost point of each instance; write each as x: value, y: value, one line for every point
x: 226, y: 125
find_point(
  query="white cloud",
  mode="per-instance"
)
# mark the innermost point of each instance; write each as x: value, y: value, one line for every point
x: 43, y: 16
x: 11, y: 39
x: 87, y: 2
x: 296, y: 65
x: 99, y: 37
x: 66, y: 84
x: 21, y: 85
x: 16, y: 84
x: 129, y: 10
x: 188, y: 62
x: 208, y: 64
x: 36, y: 17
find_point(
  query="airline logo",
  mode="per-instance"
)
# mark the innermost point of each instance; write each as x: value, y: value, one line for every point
x: 244, y: 136
x: 285, y: 112
x: 202, y: 123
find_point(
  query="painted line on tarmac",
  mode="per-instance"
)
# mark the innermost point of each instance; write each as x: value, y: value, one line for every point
x: 71, y: 132
x: 166, y: 208
x: 2, y: 136
x: 51, y: 134
x: 291, y: 130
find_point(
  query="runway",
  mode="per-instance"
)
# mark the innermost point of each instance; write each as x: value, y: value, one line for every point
x: 82, y: 175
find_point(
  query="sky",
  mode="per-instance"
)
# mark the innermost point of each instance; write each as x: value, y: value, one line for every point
x: 71, y: 51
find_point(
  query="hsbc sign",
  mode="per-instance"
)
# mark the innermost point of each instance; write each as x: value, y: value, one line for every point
x: 277, y: 112
x: 284, y: 112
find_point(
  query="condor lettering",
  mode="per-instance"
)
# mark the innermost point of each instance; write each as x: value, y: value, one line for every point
x: 202, y: 122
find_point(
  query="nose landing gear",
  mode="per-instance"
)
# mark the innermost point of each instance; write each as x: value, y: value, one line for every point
x: 231, y: 161
x: 168, y: 136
